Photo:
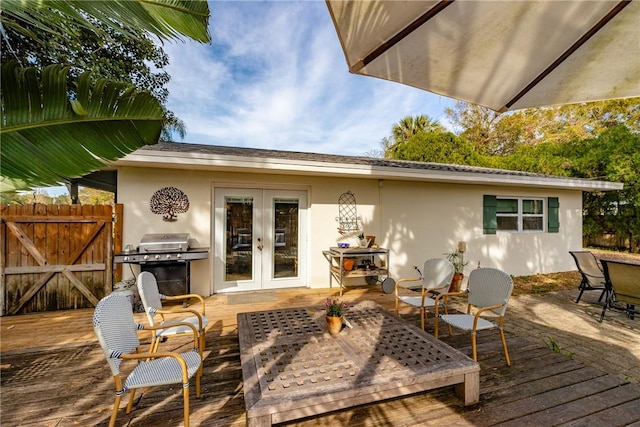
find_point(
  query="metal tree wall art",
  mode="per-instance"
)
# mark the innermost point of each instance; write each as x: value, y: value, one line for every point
x: 168, y: 202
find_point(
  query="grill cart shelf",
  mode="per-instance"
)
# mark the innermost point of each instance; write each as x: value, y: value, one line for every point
x: 377, y: 258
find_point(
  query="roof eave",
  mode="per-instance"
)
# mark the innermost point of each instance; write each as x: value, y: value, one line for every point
x: 232, y: 163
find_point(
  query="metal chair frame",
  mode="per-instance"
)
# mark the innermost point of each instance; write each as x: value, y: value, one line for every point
x: 623, y: 286
x: 592, y: 274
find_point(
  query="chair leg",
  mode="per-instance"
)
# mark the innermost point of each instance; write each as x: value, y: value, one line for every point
x: 504, y: 346
x: 606, y: 305
x: 185, y: 394
x: 473, y: 346
x: 446, y: 311
x: 114, y: 413
x: 132, y: 395
x: 580, y: 294
x: 155, y: 343
x: 422, y: 316
x: 202, y: 345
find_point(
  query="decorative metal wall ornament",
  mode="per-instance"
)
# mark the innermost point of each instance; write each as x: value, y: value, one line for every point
x: 168, y: 202
x: 348, y: 219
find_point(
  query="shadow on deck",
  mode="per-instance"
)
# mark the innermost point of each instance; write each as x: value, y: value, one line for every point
x: 54, y: 374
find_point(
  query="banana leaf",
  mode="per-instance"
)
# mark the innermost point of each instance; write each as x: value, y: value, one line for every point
x: 47, y: 137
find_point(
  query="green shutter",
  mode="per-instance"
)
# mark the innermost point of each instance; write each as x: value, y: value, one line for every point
x: 553, y: 222
x: 489, y: 221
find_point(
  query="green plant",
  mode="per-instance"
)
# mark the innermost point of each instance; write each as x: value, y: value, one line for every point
x: 333, y: 307
x: 457, y: 259
x: 553, y: 345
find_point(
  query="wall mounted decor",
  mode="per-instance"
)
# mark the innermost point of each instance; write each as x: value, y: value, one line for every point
x: 348, y: 219
x: 168, y: 202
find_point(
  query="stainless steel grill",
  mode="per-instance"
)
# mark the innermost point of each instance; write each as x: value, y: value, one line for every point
x: 168, y: 242
x: 167, y: 256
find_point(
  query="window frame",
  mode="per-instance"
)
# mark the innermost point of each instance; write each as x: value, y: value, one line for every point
x: 520, y: 215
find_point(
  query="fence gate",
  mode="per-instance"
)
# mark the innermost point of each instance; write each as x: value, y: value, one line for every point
x: 56, y: 257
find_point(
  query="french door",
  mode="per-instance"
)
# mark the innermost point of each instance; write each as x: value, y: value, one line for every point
x: 259, y: 239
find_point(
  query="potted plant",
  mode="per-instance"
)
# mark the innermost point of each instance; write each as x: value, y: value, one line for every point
x: 457, y: 259
x: 364, y: 243
x: 334, y: 310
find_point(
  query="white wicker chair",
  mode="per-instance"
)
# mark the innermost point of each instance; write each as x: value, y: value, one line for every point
x: 152, y: 300
x: 489, y: 289
x: 116, y: 330
x: 436, y: 276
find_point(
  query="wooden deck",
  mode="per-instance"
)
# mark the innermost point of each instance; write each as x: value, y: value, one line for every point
x: 54, y: 374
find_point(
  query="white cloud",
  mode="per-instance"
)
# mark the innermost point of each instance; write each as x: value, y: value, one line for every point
x: 275, y: 77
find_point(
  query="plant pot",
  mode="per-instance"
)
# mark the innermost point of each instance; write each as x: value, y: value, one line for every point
x: 455, y: 282
x: 334, y: 325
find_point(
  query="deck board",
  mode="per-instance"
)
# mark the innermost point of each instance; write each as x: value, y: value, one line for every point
x: 54, y: 374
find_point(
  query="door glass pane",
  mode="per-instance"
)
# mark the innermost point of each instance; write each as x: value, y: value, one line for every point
x: 239, y: 242
x: 285, y: 238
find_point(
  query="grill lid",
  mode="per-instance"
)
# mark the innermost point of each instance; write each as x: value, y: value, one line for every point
x: 167, y: 242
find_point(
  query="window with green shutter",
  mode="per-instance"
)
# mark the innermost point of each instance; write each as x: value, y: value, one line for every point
x: 519, y: 214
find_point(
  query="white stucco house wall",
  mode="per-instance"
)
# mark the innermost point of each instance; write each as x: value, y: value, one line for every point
x: 416, y: 210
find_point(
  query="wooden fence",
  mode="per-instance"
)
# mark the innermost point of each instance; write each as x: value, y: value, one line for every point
x: 57, y: 257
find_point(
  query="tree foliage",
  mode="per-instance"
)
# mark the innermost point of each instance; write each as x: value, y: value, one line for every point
x: 614, y: 155
x: 88, y: 196
x: 438, y: 147
x: 110, y: 53
x: 407, y: 128
x: 50, y: 133
x: 494, y: 133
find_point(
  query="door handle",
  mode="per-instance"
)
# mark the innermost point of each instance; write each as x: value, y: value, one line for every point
x: 260, y: 246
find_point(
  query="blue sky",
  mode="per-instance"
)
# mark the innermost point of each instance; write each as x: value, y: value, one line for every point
x: 275, y: 77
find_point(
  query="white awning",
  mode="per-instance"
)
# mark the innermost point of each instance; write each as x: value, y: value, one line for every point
x: 505, y: 55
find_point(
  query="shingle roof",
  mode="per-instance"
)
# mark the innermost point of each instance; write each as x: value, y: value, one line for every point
x: 328, y: 158
x: 184, y: 155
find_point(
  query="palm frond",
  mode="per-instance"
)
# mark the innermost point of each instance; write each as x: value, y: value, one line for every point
x: 167, y: 19
x: 45, y: 140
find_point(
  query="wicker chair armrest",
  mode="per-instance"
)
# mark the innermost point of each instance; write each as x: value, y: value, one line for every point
x: 489, y: 307
x: 444, y: 298
x: 186, y: 297
x: 416, y: 279
x: 182, y: 311
x: 482, y: 310
x: 171, y: 325
x: 450, y: 294
x: 196, y: 313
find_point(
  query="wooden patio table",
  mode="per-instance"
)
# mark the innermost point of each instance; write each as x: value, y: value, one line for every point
x: 292, y: 368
